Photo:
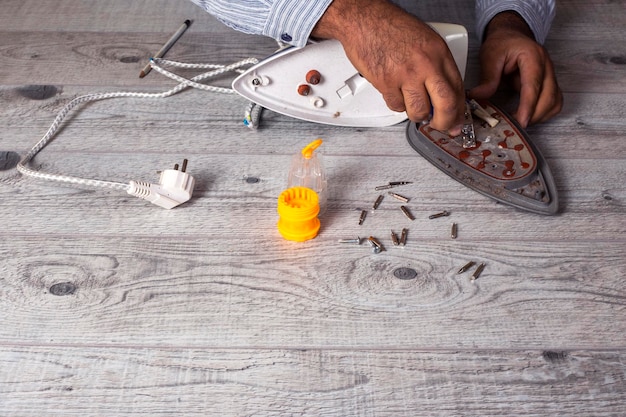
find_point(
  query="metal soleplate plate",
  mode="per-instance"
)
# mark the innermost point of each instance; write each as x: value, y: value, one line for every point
x: 504, y: 164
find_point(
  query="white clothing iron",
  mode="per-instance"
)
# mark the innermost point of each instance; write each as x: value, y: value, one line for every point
x: 319, y: 84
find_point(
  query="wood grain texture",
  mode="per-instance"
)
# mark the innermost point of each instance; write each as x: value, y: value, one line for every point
x: 111, y: 306
x: 217, y: 291
x: 67, y: 381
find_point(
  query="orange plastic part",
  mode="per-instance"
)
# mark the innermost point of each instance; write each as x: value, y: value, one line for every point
x: 298, y: 208
x: 307, y: 151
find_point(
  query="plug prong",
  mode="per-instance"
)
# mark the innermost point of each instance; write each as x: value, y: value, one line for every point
x: 175, y: 167
x: 184, y: 167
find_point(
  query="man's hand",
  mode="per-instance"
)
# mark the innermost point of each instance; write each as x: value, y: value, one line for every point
x: 509, y: 49
x: 403, y: 58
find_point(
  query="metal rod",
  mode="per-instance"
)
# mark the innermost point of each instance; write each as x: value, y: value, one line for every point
x: 170, y: 42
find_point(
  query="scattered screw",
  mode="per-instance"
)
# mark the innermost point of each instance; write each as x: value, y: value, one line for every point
x: 378, y: 201
x: 453, y: 231
x: 466, y: 267
x: 354, y: 241
x: 392, y: 184
x: 362, y: 217
x: 376, y: 245
x: 437, y: 215
x: 403, y: 236
x: 407, y: 213
x: 394, y: 238
x: 399, y: 197
x: 477, y: 272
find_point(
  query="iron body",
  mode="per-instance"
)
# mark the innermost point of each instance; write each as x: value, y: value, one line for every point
x: 338, y: 94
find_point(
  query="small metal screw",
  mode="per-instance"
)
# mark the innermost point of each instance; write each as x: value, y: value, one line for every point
x: 362, y: 217
x: 376, y: 245
x: 407, y: 213
x: 378, y: 201
x: 392, y: 184
x: 403, y: 236
x: 394, y: 238
x: 399, y: 197
x: 353, y: 241
x: 466, y: 267
x: 437, y: 215
x: 477, y: 272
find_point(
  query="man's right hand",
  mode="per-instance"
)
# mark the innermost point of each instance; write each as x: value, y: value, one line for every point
x: 401, y: 56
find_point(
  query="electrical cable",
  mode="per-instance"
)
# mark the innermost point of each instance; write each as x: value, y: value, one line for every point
x: 23, y: 165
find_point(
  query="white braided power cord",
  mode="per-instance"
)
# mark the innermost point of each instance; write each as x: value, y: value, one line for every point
x: 184, y: 83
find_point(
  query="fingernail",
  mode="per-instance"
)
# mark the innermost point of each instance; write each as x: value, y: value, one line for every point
x: 522, y: 122
x: 455, y: 131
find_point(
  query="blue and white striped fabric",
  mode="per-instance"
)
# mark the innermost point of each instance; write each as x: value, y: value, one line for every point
x: 289, y: 21
x: 292, y: 21
x: 537, y: 13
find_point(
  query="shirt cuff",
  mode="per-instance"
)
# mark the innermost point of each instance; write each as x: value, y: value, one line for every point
x: 292, y: 21
x: 538, y: 14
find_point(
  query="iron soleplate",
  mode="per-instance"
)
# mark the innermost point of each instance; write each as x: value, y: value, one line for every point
x: 504, y: 165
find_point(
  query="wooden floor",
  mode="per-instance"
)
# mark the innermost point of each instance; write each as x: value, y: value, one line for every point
x: 111, y: 306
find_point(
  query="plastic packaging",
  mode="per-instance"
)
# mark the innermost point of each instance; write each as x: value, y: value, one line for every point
x: 307, y: 171
x: 297, y: 210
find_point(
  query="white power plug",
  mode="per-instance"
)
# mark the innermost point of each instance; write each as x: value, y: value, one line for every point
x: 174, y: 188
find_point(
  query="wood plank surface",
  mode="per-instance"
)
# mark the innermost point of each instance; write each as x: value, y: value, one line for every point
x: 68, y: 381
x: 111, y: 306
x: 547, y: 296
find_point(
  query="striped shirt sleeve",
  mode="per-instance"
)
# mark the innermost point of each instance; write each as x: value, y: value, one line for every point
x: 289, y: 21
x: 537, y: 13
